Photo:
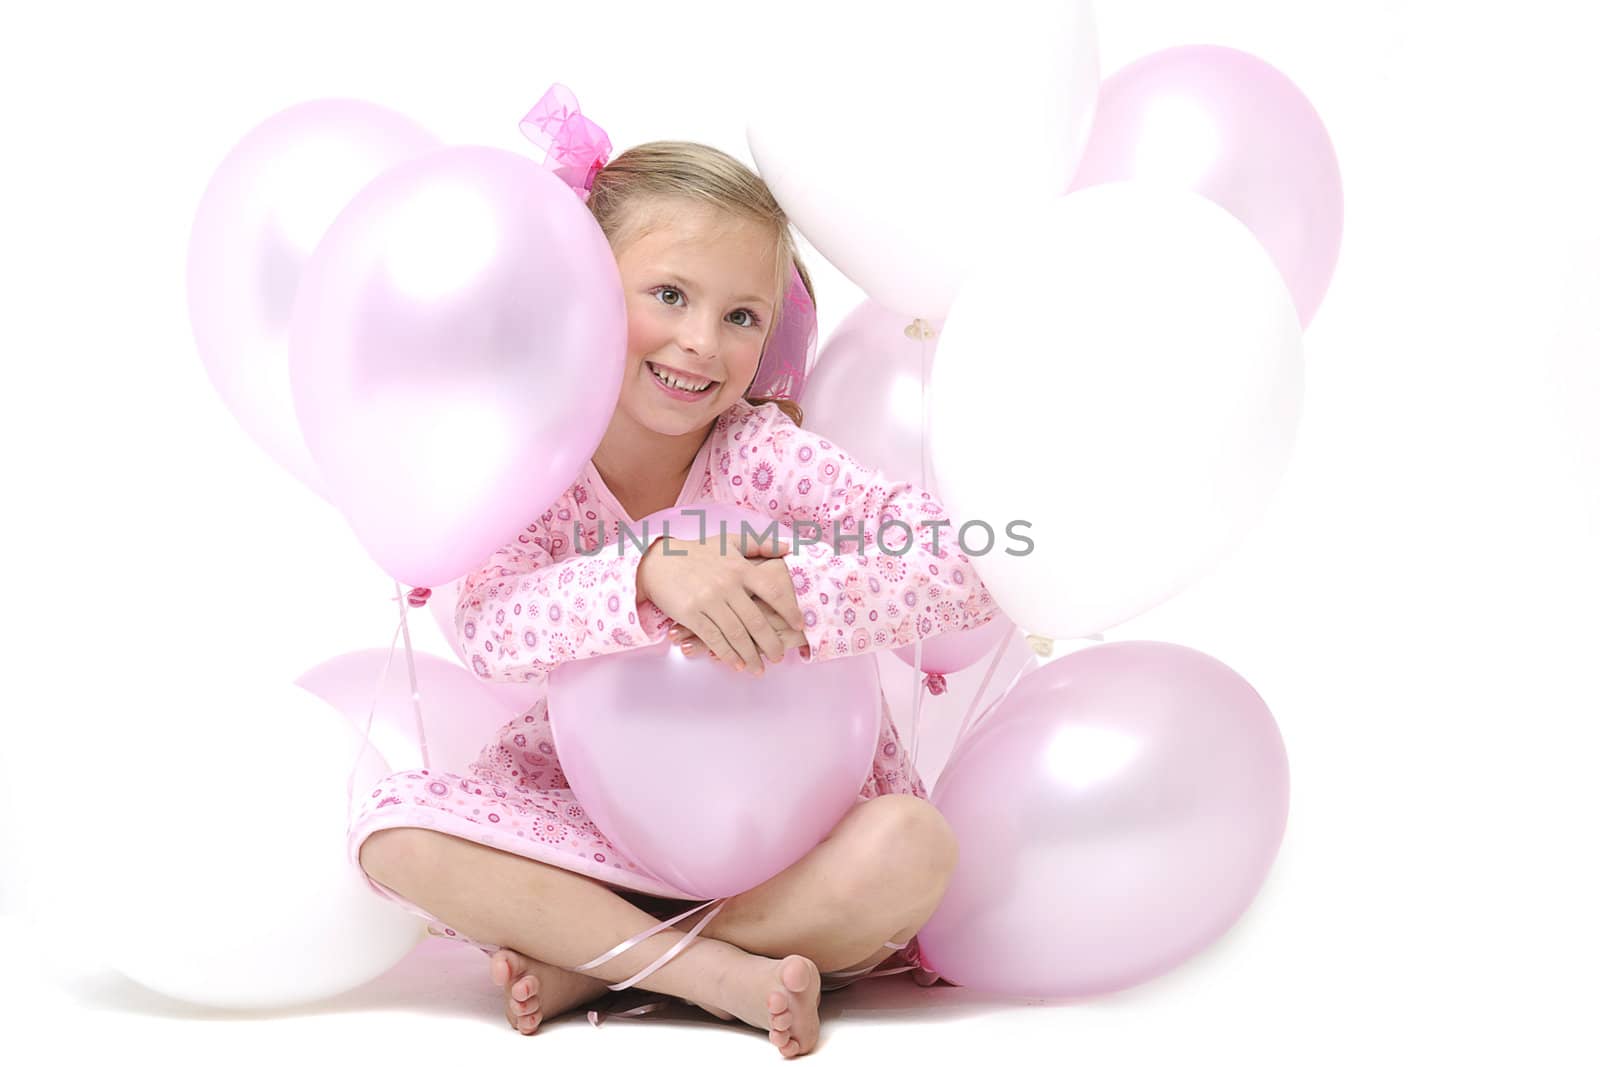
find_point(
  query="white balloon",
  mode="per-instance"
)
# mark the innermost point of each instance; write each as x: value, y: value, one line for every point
x: 227, y: 881
x: 1124, y: 373
x: 931, y: 129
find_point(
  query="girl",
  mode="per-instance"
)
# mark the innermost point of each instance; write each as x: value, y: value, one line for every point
x: 505, y: 857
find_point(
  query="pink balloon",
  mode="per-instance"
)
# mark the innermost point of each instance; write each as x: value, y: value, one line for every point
x: 948, y: 653
x: 709, y: 778
x: 865, y: 394
x: 460, y: 714
x: 456, y: 353
x: 1116, y: 813
x: 264, y: 210
x: 1229, y: 126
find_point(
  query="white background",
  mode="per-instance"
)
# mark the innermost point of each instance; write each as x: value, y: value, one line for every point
x: 1418, y: 608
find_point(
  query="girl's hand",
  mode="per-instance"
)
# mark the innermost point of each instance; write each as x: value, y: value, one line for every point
x: 719, y: 597
x: 692, y: 646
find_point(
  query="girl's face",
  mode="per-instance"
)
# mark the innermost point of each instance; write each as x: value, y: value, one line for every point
x: 699, y: 309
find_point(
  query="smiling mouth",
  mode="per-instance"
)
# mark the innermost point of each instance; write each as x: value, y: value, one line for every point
x: 689, y: 383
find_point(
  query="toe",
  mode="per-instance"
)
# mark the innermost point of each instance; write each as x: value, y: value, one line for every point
x: 795, y: 973
x: 500, y: 969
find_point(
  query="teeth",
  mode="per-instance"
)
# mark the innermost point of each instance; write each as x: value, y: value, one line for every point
x: 678, y: 383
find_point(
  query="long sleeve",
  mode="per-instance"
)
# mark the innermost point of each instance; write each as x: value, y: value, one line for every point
x: 524, y: 612
x: 899, y: 575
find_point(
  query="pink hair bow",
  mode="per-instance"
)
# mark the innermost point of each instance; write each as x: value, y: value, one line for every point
x: 574, y: 147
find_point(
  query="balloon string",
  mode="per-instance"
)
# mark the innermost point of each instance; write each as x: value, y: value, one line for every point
x: 411, y: 674
x: 366, y: 733
x: 1042, y: 648
x: 918, y: 690
x: 921, y: 332
x: 1015, y: 678
x: 983, y: 687
x: 924, y: 331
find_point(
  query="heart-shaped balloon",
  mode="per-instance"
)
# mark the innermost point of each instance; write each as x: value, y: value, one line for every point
x: 709, y: 778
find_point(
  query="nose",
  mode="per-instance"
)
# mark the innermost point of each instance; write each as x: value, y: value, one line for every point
x: 697, y: 335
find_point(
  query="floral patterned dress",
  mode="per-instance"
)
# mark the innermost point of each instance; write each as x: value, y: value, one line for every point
x: 541, y: 601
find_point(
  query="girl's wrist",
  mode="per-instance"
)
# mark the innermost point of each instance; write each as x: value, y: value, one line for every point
x: 647, y: 564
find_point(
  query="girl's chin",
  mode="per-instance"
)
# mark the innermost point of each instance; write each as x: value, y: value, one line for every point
x: 663, y: 415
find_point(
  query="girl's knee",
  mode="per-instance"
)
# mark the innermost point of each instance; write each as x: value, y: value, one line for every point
x: 390, y: 852
x: 903, y: 852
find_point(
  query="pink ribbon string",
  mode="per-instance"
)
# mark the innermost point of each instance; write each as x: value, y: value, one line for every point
x: 656, y: 929
x: 831, y: 980
x: 935, y: 682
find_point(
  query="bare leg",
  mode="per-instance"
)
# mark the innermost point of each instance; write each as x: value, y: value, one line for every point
x: 566, y: 919
x: 878, y: 876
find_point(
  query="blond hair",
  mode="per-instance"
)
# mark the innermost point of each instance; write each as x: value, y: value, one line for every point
x: 629, y: 191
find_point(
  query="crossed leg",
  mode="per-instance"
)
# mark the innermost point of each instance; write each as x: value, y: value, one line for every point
x: 877, y: 877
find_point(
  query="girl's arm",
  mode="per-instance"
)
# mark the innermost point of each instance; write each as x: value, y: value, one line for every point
x: 522, y: 613
x: 871, y: 595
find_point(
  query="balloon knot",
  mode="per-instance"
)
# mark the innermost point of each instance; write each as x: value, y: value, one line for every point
x: 935, y: 683
x: 419, y: 596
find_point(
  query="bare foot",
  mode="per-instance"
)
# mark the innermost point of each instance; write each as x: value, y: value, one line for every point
x: 536, y: 991
x: 778, y: 996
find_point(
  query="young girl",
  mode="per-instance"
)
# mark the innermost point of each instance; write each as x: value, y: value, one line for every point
x: 505, y: 857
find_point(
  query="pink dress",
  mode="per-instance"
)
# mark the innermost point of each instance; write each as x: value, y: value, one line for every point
x: 537, y: 603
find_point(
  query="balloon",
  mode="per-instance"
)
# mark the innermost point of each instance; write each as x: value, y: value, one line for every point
x: 262, y: 213
x: 1231, y: 127
x: 460, y: 713
x: 956, y: 650
x: 983, y: 157
x: 229, y: 882
x: 711, y: 779
x: 516, y: 697
x: 1115, y: 814
x: 456, y: 354
x: 1141, y: 417
x: 865, y: 394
